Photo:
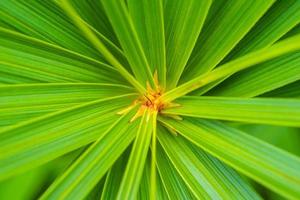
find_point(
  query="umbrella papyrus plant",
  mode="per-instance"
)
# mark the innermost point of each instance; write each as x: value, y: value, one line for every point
x: 150, y: 89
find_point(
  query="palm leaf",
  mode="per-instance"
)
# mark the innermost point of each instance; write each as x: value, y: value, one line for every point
x: 104, y: 99
x: 285, y: 112
x: 267, y: 164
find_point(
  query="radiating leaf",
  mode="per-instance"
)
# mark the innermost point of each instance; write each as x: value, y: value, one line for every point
x: 172, y: 181
x: 227, y: 27
x: 114, y: 177
x: 200, y: 173
x: 183, y: 23
x: 27, y: 57
x: 98, y: 44
x: 45, y: 20
x: 281, y: 48
x: 285, y: 112
x: 23, y: 101
x: 84, y: 174
x: 262, y: 78
x: 128, y: 38
x: 268, y: 165
x: 34, y: 142
x: 145, y: 186
x: 147, y: 17
x: 288, y: 91
x: 135, y: 166
x: 278, y: 20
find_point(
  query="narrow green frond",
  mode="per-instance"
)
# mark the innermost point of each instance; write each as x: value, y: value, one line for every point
x: 147, y: 17
x: 129, y: 40
x: 288, y: 91
x: 268, y: 165
x: 277, y: 21
x: 261, y: 78
x: 283, y: 47
x: 228, y: 179
x: 93, y: 13
x: 232, y: 20
x: 34, y: 142
x: 172, y: 181
x: 284, y: 112
x: 200, y: 172
x: 183, y: 23
x: 46, y: 21
x: 135, y: 166
x: 23, y: 101
x: 43, y: 62
x: 145, y: 186
x: 89, y: 34
x: 114, y: 177
x: 153, y: 176
x: 91, y: 166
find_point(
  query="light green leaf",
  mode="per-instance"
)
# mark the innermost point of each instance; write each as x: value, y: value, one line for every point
x: 228, y: 178
x: 262, y: 78
x: 129, y: 40
x: 172, y: 181
x: 284, y: 112
x: 145, y: 186
x: 98, y: 44
x: 43, y: 62
x: 23, y: 101
x: 34, y: 142
x: 93, y: 13
x: 268, y: 165
x: 201, y: 174
x: 227, y: 27
x: 183, y: 23
x: 147, y: 17
x: 135, y: 166
x: 114, y: 177
x: 283, y: 47
x: 84, y: 174
x: 288, y: 91
x: 277, y: 21
x: 46, y: 21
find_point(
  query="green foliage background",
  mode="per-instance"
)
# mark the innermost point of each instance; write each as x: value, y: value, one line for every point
x: 228, y: 69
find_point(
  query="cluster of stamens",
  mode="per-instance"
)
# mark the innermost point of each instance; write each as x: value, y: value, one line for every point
x: 150, y: 101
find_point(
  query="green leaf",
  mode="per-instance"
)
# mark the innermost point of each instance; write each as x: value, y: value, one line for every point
x: 43, y: 62
x: 147, y: 17
x: 283, y: 47
x: 34, y: 142
x: 227, y: 27
x: 202, y: 175
x: 84, y: 174
x: 172, y: 181
x: 268, y: 165
x: 93, y: 13
x: 228, y: 178
x: 277, y: 21
x: 46, y: 21
x: 129, y: 40
x: 284, y: 112
x: 90, y: 35
x: 262, y: 78
x: 153, y: 171
x: 23, y: 101
x: 135, y: 166
x: 183, y: 23
x: 288, y: 91
x: 114, y: 177
x: 145, y: 186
